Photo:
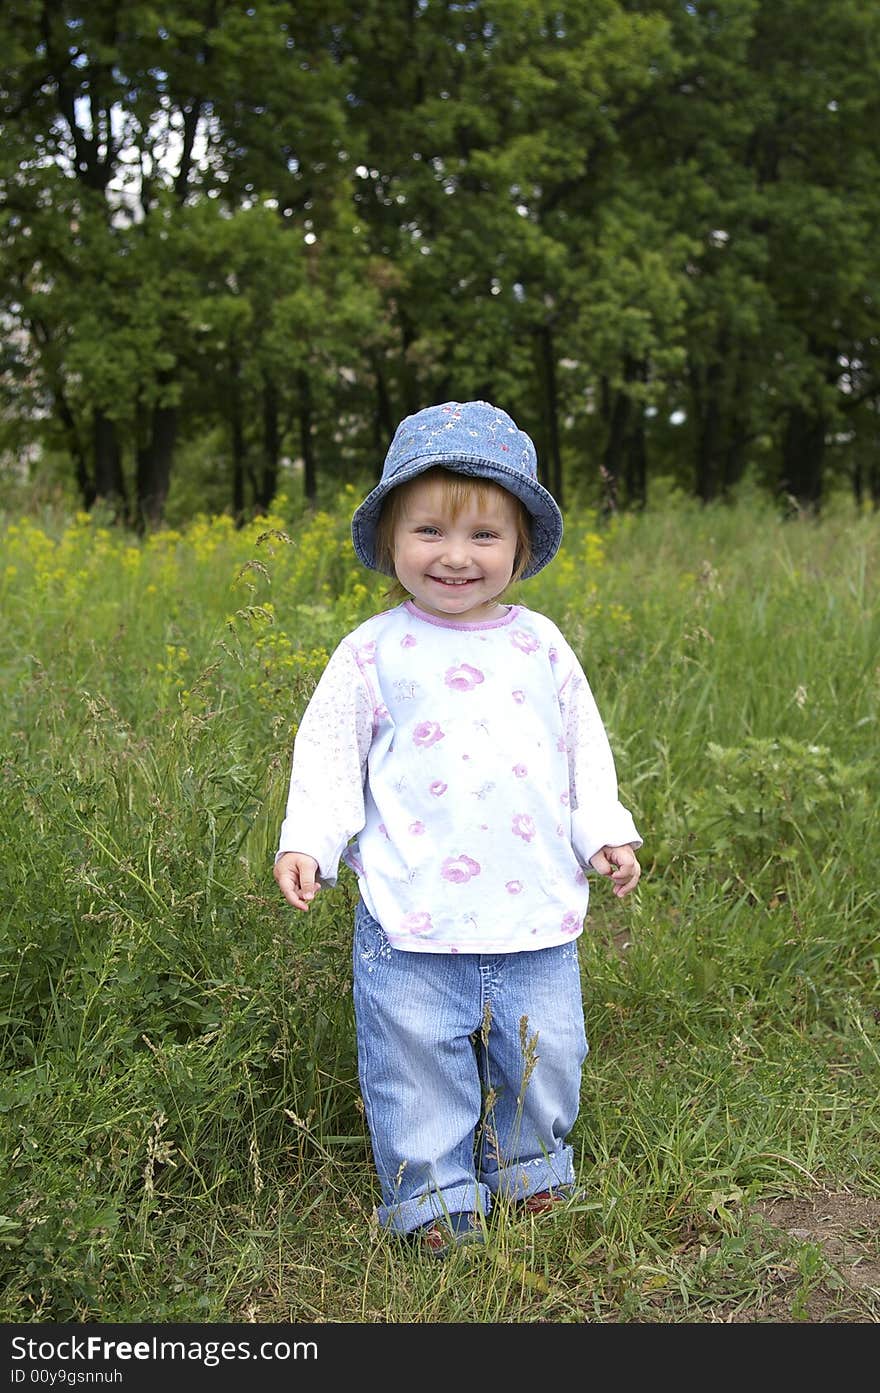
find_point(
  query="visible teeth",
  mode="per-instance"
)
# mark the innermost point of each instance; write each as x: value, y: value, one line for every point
x: 451, y: 582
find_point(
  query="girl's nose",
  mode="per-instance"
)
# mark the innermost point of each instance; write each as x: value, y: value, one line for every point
x: 455, y: 553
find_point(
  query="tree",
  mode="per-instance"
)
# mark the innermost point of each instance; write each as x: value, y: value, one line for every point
x: 762, y: 151
x: 294, y: 223
x: 277, y: 321
x: 113, y: 117
x: 485, y: 188
x: 817, y: 157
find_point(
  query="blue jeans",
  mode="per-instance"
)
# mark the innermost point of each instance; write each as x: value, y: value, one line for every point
x: 470, y: 1070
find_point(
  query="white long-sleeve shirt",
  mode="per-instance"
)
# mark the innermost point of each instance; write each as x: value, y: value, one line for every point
x: 464, y: 774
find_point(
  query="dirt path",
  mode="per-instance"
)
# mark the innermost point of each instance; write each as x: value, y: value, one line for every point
x: 845, y: 1283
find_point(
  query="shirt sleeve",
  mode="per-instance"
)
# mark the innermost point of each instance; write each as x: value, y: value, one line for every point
x: 325, y: 801
x: 598, y: 818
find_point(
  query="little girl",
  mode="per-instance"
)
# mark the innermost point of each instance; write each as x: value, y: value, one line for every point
x: 453, y: 755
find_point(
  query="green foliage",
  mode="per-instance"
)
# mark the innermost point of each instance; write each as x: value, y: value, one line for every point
x: 777, y: 805
x: 181, y: 1135
x: 284, y: 227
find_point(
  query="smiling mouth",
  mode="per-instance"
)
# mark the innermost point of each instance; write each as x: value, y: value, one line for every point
x: 443, y: 580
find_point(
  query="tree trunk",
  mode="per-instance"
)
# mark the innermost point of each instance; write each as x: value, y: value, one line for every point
x: 236, y: 432
x: 383, y: 417
x: 613, y: 456
x: 803, y: 456
x: 705, y: 395
x: 551, y: 414
x: 736, y: 411
x: 624, y: 458
x: 718, y: 394
x: 154, y: 461
x: 733, y: 464
x: 708, y: 431
x: 635, y: 471
x: 307, y: 448
x: 268, y: 486
x: 407, y: 377
x: 866, y: 475
x: 49, y: 360
x: 636, y: 474
x: 109, y: 483
x: 84, y: 479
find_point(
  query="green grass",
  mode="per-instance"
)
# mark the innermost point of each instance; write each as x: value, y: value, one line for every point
x: 182, y: 1134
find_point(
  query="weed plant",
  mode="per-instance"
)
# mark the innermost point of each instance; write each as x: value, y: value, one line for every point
x: 182, y: 1135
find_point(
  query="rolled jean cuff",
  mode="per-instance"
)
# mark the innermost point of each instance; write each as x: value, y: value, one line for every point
x: 406, y: 1215
x: 524, y: 1178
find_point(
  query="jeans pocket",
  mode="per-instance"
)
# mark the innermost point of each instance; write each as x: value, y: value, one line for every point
x: 371, y: 944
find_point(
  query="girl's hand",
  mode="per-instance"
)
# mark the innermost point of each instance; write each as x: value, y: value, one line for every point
x: 621, y: 864
x: 297, y: 876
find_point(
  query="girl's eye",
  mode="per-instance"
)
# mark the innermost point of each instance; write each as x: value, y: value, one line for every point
x: 485, y: 536
x: 428, y: 531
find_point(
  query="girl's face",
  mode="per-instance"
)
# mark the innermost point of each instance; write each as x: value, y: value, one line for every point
x: 456, y: 567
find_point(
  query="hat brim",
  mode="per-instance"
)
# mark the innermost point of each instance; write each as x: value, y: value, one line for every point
x: 539, y: 504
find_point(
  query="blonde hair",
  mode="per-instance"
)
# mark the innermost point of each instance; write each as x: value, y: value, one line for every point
x: 458, y: 491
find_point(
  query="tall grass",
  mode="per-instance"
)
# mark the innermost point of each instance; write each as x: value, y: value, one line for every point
x: 182, y: 1135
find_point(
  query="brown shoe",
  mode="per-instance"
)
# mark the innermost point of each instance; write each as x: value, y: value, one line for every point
x: 439, y: 1237
x: 434, y: 1240
x: 542, y: 1201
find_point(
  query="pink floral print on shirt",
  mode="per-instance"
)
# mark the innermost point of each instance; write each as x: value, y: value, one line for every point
x: 524, y: 641
x: 427, y: 733
x: 438, y: 788
x: 417, y: 922
x: 463, y: 678
x: 523, y: 826
x: 520, y: 770
x: 459, y: 869
x: 571, y: 923
x: 514, y: 887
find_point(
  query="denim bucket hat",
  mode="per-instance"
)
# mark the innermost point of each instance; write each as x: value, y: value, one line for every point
x: 472, y: 438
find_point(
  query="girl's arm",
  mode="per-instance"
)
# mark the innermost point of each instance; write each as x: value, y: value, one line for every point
x: 600, y: 823
x: 325, y: 801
